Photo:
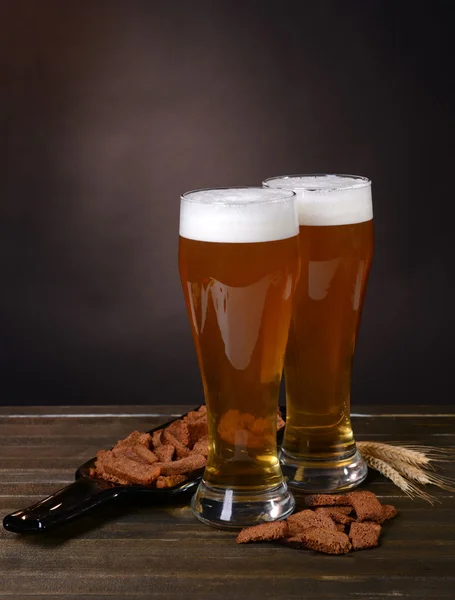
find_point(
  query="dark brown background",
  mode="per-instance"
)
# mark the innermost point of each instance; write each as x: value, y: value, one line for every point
x: 110, y: 109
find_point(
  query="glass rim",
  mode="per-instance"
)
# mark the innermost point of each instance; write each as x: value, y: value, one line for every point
x: 360, y: 181
x: 285, y: 195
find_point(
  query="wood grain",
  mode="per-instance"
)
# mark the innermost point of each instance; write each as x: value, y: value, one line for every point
x: 133, y: 549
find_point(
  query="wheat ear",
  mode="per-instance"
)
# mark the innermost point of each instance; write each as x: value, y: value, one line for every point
x: 432, y: 453
x: 406, y: 486
x: 413, y: 454
x: 391, y: 453
x: 424, y: 477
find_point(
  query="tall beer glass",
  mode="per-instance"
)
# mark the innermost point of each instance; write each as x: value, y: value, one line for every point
x: 238, y: 261
x: 336, y: 248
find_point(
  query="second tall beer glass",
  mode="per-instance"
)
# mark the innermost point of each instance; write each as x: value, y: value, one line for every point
x: 238, y: 261
x: 336, y: 246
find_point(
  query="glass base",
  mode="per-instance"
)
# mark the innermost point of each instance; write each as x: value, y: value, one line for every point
x: 232, y: 509
x: 321, y: 476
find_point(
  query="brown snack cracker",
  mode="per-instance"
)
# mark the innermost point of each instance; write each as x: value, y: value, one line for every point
x: 335, y: 514
x: 180, y: 431
x: 131, y: 458
x: 327, y: 500
x: 170, y: 481
x: 388, y: 512
x: 195, y: 415
x: 180, y: 450
x: 134, y: 438
x: 102, y: 455
x: 263, y: 533
x: 156, y: 439
x: 192, y: 416
x: 293, y: 541
x: 245, y: 429
x: 201, y: 446
x: 145, y: 454
x: 367, y: 507
x: 126, y: 469
x: 111, y: 478
x: 165, y: 452
x: 308, y: 519
x: 118, y: 451
x: 197, y: 429
x: 318, y: 530
x: 346, y: 510
x: 99, y: 471
x: 364, y: 535
x: 184, y: 465
x: 326, y: 540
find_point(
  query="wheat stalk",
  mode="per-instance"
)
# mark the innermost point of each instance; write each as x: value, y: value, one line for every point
x: 391, y: 454
x: 424, y: 477
x: 406, y: 486
x: 407, y: 465
x: 413, y: 454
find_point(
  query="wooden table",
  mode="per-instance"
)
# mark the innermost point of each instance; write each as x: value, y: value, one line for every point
x: 138, y: 550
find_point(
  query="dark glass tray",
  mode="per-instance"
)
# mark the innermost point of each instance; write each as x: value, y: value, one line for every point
x: 86, y: 493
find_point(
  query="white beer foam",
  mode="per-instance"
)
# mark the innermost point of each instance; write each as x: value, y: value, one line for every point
x: 328, y: 199
x: 238, y: 215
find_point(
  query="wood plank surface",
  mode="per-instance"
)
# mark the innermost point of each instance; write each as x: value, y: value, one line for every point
x: 135, y: 549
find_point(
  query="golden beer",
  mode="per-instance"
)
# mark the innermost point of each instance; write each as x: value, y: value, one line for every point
x: 238, y: 282
x: 336, y: 248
